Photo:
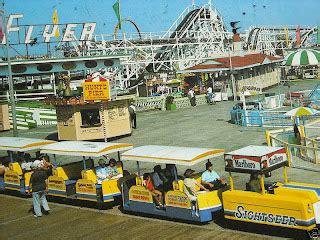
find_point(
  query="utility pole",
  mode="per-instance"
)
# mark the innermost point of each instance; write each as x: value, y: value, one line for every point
x: 11, y: 85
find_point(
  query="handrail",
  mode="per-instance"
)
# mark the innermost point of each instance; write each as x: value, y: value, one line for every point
x: 178, y: 20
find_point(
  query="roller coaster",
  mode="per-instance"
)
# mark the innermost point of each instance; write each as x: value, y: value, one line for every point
x: 198, y: 34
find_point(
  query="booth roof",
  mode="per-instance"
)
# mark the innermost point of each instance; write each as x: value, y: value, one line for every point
x: 254, y: 151
x: 22, y: 144
x: 238, y: 62
x: 85, y: 149
x: 171, y: 155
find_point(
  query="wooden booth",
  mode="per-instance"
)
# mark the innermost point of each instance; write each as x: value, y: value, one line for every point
x: 93, y: 114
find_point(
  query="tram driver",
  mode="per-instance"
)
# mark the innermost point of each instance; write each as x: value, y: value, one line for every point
x: 211, y: 179
x: 254, y: 183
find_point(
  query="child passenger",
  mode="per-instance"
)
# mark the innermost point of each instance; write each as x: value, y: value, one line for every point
x: 157, y: 195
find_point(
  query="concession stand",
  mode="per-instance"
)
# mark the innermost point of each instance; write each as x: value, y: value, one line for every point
x: 92, y: 113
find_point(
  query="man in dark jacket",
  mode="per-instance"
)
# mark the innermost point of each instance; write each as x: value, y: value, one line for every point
x: 38, y: 184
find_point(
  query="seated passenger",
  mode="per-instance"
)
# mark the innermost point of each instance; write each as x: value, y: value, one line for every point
x: 189, y: 188
x: 101, y: 171
x: 211, y: 179
x: 3, y: 169
x: 170, y: 171
x: 156, y: 194
x: 26, y: 163
x: 45, y: 164
x: 112, y: 170
x: 159, y: 179
x: 254, y: 184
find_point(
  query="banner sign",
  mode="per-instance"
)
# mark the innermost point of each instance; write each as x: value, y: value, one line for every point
x: 71, y: 32
x: 96, y: 91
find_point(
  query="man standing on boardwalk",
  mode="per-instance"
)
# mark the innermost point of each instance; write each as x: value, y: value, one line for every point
x: 192, y: 97
x: 133, y: 117
x: 39, y: 186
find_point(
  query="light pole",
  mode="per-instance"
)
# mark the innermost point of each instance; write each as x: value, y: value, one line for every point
x: 10, y: 80
x: 233, y: 83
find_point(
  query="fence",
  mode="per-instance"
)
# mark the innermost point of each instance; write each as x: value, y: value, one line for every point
x: 27, y: 95
x: 304, y: 156
x: 259, y: 118
x: 28, y: 118
x: 150, y: 103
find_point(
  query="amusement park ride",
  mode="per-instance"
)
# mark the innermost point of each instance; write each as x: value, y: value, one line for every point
x: 199, y: 33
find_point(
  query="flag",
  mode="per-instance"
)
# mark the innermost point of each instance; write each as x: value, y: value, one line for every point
x: 1, y: 26
x: 55, y: 22
x: 318, y: 34
x: 116, y: 8
x: 298, y: 37
x: 286, y: 36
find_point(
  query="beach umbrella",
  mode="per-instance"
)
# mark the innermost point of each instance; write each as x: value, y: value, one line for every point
x: 301, y: 111
x: 303, y: 57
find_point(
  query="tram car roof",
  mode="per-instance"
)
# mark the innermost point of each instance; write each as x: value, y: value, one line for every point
x: 21, y: 144
x: 186, y: 156
x: 256, y: 159
x: 85, y: 149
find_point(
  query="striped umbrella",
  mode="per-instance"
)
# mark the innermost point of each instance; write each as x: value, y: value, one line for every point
x: 303, y: 58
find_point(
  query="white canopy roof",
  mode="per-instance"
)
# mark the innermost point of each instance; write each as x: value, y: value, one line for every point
x: 254, y: 151
x: 86, y: 149
x: 171, y: 155
x: 22, y: 144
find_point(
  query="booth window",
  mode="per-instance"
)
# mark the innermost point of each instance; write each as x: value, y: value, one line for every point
x: 90, y: 118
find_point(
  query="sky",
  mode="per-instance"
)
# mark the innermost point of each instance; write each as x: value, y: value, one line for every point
x: 158, y: 15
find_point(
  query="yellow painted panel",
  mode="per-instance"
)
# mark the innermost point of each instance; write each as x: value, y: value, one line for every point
x: 177, y: 199
x: 141, y: 194
x: 90, y: 175
x: 271, y: 209
x: 86, y: 186
x: 110, y: 187
x: 11, y: 177
x: 208, y: 199
x: 56, y: 183
x: 15, y: 166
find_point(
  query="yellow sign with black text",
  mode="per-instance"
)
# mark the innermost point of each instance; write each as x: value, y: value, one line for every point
x: 96, y: 91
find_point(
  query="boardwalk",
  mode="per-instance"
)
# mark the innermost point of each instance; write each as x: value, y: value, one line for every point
x: 201, y: 126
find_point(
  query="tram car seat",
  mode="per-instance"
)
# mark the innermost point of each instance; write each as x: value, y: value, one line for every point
x: 178, y: 185
x: 15, y: 179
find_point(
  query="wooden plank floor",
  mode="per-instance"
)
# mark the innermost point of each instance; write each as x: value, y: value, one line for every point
x: 75, y: 222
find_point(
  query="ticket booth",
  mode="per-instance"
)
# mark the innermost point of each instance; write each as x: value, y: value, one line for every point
x: 94, y: 114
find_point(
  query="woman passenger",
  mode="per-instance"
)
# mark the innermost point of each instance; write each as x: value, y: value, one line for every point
x: 157, y: 195
x: 189, y: 188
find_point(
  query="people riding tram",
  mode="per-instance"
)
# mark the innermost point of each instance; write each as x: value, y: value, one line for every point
x: 15, y: 176
x: 76, y: 178
x: 288, y: 204
x: 196, y: 206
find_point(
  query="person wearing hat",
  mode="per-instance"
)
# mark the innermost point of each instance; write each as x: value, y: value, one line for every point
x: 211, y: 179
x: 39, y: 186
x: 101, y: 171
x: 254, y: 183
x: 189, y: 188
